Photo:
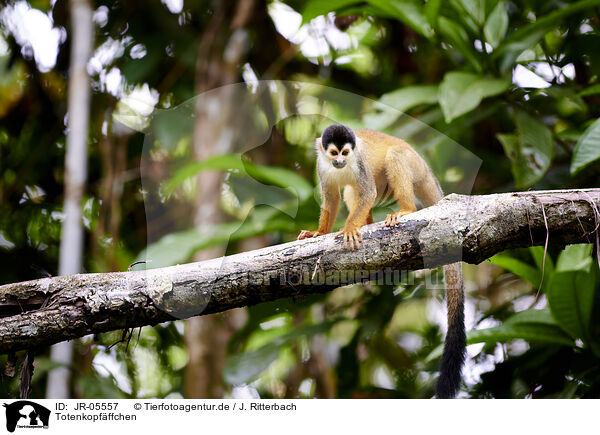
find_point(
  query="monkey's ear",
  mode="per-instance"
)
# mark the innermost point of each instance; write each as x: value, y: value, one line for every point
x: 318, y: 143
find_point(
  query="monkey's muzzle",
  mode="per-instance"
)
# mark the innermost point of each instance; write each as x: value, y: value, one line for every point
x: 338, y: 163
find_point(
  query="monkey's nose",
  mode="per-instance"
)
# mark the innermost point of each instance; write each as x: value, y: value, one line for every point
x: 339, y: 163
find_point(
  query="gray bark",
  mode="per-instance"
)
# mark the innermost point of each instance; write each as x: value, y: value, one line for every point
x: 71, y: 242
x: 468, y: 228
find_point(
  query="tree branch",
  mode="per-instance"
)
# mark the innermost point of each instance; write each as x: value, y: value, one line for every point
x: 469, y: 228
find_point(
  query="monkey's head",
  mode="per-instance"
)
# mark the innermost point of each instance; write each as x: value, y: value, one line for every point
x: 337, y: 143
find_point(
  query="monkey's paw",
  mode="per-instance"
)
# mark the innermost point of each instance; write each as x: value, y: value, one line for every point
x: 352, y: 238
x: 306, y: 234
x: 394, y: 218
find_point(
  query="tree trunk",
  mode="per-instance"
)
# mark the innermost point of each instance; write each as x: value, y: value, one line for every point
x: 71, y: 242
x: 219, y: 54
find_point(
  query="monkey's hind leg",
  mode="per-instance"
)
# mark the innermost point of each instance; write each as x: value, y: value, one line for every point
x: 351, y: 200
x: 400, y: 181
x: 359, y: 201
x: 329, y: 209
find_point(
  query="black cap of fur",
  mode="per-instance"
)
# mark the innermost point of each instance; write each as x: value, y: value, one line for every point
x: 339, y: 135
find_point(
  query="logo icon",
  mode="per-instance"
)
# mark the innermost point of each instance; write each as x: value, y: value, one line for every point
x: 26, y: 414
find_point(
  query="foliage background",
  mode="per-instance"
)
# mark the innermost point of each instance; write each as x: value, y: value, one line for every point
x: 514, y: 82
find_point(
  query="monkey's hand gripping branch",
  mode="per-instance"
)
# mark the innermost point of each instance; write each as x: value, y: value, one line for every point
x: 351, y: 236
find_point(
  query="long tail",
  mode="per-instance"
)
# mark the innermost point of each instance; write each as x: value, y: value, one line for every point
x: 453, y: 357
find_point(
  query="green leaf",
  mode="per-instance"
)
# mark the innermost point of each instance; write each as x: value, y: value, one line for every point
x: 282, y: 177
x: 570, y: 297
x: 178, y: 247
x: 13, y: 80
x: 431, y: 10
x: 496, y: 25
x: 513, y: 150
x: 523, y: 270
x: 43, y: 5
x: 533, y: 332
x: 544, y: 263
x: 277, y: 176
x: 530, y: 325
x: 315, y: 8
x: 543, y: 316
x: 399, y: 102
x: 530, y: 151
x: 222, y: 162
x: 170, y: 127
x: 575, y: 258
x: 459, y: 39
x: 542, y: 260
x: 569, y: 392
x: 592, y: 90
x: 569, y: 135
x: 461, y: 92
x: 409, y: 12
x: 587, y: 149
x: 410, y: 96
x: 244, y: 367
x: 475, y: 9
x: 463, y: 17
x: 530, y: 34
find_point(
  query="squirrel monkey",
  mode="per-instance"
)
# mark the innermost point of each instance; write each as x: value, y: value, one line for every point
x: 366, y: 164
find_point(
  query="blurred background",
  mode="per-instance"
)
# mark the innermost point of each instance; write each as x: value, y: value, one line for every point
x: 202, y: 122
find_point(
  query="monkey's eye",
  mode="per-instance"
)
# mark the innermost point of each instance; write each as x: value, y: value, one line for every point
x: 334, y: 153
x: 345, y: 152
